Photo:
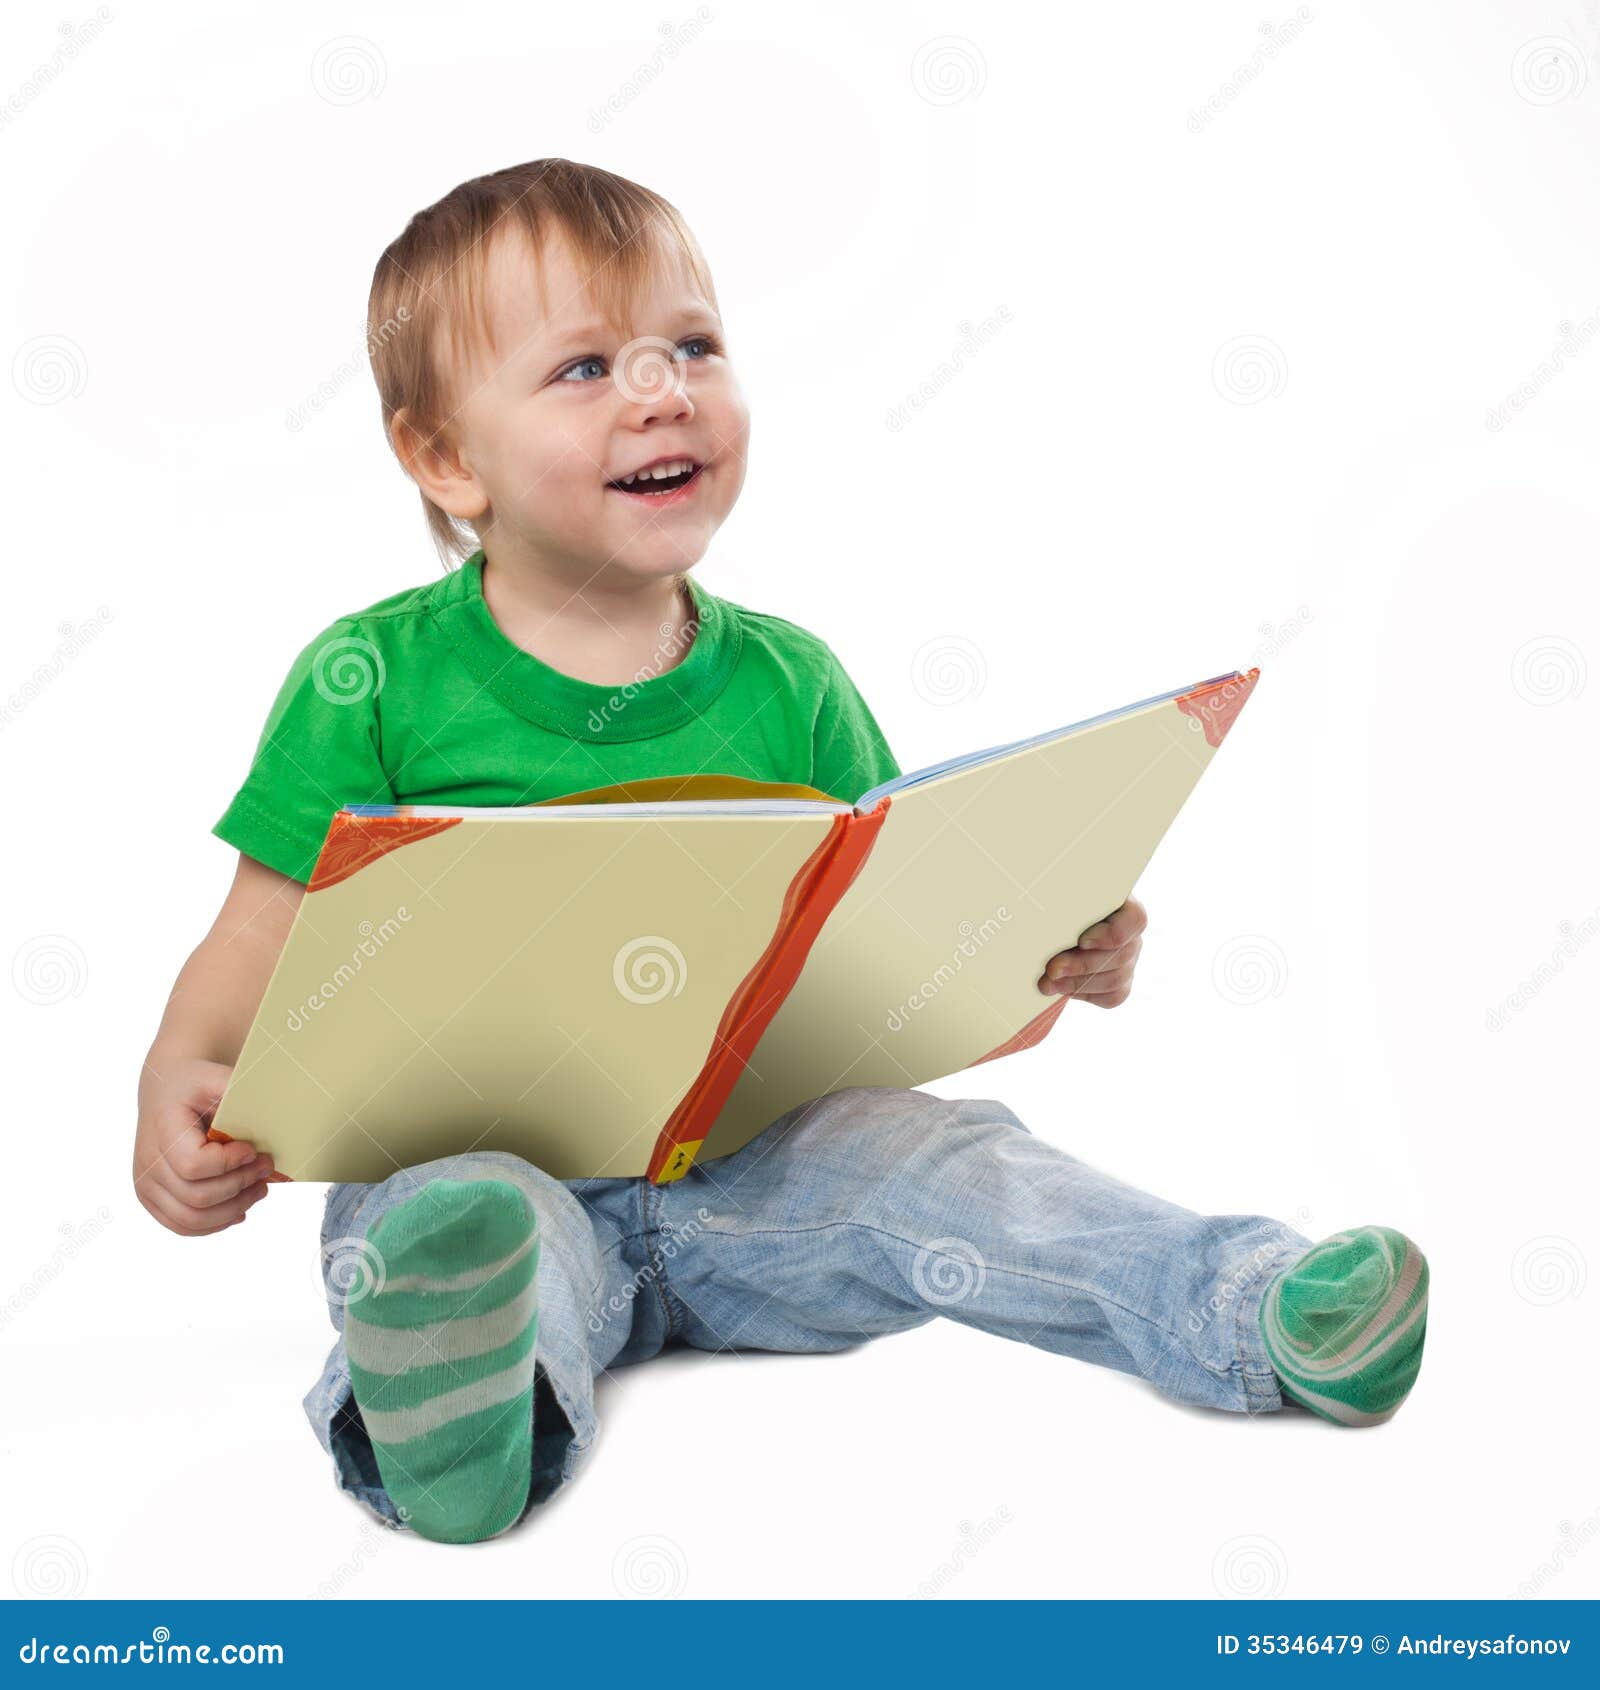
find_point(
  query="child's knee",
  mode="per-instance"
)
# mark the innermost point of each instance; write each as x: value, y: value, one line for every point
x: 891, y: 1126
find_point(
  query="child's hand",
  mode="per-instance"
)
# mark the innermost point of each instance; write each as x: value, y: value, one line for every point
x: 1099, y: 968
x: 190, y: 1186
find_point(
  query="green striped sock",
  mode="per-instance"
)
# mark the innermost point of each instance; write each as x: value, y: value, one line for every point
x: 1344, y: 1325
x: 442, y: 1354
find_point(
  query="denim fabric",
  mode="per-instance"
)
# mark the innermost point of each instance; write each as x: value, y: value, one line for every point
x: 870, y: 1210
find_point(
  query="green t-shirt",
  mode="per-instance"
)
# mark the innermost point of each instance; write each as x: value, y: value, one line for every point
x: 421, y: 699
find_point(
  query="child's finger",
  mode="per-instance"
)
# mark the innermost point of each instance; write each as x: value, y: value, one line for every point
x: 1101, y: 937
x: 172, y: 1214
x: 209, y: 1193
x: 180, y: 1217
x: 1080, y: 965
x: 245, y: 1202
x: 192, y: 1156
x: 1110, y: 990
x: 1117, y: 928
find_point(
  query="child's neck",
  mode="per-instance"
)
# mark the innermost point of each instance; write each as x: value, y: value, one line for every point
x: 609, y: 635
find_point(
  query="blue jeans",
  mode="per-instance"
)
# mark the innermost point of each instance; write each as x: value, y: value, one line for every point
x: 867, y: 1211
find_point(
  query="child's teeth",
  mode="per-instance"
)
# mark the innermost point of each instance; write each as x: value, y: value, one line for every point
x: 661, y: 472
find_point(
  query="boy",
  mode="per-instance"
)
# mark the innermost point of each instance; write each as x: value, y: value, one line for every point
x: 550, y: 357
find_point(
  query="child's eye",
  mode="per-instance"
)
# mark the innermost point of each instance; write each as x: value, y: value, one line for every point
x: 575, y: 372
x: 593, y: 368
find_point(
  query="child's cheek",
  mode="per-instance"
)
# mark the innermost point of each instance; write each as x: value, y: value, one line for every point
x: 730, y: 420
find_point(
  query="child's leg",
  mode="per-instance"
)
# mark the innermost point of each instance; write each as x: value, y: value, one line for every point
x: 874, y: 1209
x: 460, y: 1392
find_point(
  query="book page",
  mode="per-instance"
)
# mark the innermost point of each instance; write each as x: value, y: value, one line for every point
x: 550, y: 987
x: 930, y: 961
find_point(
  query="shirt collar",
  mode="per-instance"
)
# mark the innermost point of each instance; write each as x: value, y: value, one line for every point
x: 653, y: 704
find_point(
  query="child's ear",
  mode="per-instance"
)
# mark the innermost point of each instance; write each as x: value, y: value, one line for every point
x: 433, y: 461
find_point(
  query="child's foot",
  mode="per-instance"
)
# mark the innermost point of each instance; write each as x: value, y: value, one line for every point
x: 1344, y: 1325
x: 442, y: 1354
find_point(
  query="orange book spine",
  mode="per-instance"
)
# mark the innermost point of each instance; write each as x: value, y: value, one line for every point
x: 816, y: 888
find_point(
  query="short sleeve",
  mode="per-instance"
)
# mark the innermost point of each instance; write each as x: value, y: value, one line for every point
x: 849, y: 755
x: 318, y: 751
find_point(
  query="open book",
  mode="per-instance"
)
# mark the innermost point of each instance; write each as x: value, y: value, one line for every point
x: 614, y: 982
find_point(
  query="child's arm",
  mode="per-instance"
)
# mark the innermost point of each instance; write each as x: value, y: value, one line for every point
x: 191, y: 1186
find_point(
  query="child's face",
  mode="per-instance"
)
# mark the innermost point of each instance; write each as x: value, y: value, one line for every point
x: 568, y: 407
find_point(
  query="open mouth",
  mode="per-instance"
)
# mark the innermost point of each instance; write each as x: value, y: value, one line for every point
x: 659, y: 479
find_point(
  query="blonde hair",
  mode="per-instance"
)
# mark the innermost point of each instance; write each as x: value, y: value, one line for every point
x: 427, y: 290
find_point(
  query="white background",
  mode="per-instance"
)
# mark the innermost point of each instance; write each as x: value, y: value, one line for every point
x: 1241, y: 413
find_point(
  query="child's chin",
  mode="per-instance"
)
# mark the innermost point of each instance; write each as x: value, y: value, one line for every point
x: 659, y: 560
x: 663, y: 550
